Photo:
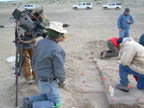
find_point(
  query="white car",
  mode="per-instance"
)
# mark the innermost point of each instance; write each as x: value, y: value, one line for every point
x: 116, y: 6
x: 83, y: 5
x: 29, y: 6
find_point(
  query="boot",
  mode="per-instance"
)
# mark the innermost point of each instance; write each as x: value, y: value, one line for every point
x: 122, y: 88
x: 102, y: 55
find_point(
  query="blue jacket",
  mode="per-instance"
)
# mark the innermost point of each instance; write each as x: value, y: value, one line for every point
x: 48, y: 60
x: 122, y: 22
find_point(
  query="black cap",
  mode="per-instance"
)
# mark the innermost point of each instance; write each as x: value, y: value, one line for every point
x: 119, y: 41
x: 127, y: 10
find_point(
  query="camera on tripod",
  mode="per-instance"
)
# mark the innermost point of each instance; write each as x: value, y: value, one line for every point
x: 29, y: 22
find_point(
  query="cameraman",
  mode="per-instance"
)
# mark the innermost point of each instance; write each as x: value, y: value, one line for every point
x: 36, y: 16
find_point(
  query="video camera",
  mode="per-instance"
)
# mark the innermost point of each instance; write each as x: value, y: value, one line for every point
x: 29, y: 22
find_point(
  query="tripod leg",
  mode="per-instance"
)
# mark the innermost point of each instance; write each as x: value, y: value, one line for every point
x: 16, y: 90
x: 16, y: 72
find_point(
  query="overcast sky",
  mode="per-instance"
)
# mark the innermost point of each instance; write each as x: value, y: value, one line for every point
x: 8, y: 0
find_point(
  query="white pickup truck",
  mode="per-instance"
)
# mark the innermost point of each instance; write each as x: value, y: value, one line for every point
x: 29, y: 6
x: 116, y: 6
x: 83, y: 5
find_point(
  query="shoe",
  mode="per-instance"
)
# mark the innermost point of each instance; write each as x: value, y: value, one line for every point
x: 26, y: 103
x: 122, y: 88
x: 101, y: 55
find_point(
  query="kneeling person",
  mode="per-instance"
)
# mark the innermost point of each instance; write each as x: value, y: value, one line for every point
x: 48, y: 62
x: 132, y: 62
x: 113, y: 49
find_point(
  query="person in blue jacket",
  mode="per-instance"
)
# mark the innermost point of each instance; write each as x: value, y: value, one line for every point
x: 124, y: 22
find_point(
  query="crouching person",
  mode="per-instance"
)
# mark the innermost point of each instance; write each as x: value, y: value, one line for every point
x: 113, y: 49
x: 132, y: 62
x: 48, y: 62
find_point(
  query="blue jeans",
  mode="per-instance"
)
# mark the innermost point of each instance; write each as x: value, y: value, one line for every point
x: 124, y: 33
x: 124, y: 71
x: 48, y: 97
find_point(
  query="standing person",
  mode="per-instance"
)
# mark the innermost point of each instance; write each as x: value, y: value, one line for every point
x: 37, y: 15
x: 26, y: 48
x: 124, y: 22
x: 113, y: 49
x: 48, y: 62
x: 132, y: 62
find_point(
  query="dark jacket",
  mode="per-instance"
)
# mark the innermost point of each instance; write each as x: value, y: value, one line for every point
x: 141, y: 40
x: 48, y: 60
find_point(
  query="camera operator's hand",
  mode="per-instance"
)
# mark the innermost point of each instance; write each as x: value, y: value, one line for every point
x: 61, y: 84
x: 44, y: 34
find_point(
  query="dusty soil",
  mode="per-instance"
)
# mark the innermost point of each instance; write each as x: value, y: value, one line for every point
x: 84, y: 86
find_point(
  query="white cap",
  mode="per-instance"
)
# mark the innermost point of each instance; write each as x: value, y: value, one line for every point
x: 57, y: 26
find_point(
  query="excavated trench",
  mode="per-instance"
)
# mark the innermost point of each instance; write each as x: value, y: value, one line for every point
x: 85, y: 87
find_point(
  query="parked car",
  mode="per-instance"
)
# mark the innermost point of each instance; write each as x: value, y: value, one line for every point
x: 116, y: 6
x: 83, y: 5
x: 29, y: 6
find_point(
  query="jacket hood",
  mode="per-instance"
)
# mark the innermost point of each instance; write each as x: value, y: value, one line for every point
x: 126, y: 40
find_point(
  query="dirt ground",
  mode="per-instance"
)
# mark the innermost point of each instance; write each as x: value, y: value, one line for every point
x: 88, y: 32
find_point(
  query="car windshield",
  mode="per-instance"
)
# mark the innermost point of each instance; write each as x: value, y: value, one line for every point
x: 88, y: 3
x: 110, y: 4
x: 79, y: 3
x: 118, y: 3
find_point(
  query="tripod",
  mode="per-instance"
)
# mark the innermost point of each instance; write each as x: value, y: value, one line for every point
x: 18, y: 63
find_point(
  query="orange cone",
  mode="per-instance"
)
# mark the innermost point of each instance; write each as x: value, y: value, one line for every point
x: 137, y: 99
x: 81, y: 90
x: 104, y: 78
x: 82, y: 74
x: 130, y: 86
x: 113, y: 100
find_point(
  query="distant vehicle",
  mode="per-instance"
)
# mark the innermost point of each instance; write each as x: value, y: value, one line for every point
x: 29, y: 6
x: 116, y: 6
x: 83, y: 5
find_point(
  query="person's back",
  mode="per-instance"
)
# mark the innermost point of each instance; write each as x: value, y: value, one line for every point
x: 114, y: 41
x: 132, y: 54
x: 46, y: 50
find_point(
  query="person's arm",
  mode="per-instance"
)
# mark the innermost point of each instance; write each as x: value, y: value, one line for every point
x: 131, y: 20
x: 33, y: 59
x: 58, y: 65
x: 34, y: 56
x: 127, y: 55
x: 119, y: 22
